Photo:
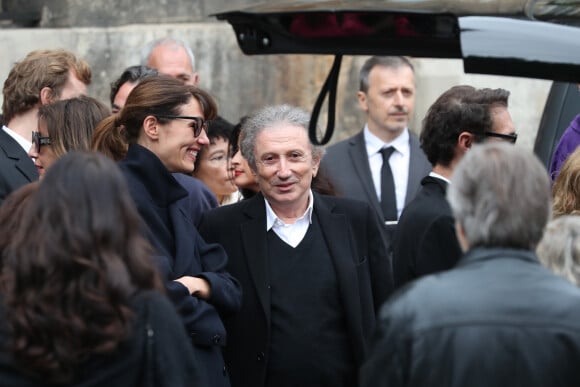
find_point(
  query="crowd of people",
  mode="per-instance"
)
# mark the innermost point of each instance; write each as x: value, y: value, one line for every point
x: 155, y: 243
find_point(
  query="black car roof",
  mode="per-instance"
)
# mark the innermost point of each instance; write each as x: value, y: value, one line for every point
x: 558, y: 11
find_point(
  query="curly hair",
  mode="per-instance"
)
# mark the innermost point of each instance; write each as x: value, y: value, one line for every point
x: 566, y: 189
x: 460, y: 109
x: 71, y: 267
x: 40, y: 69
x: 559, y: 248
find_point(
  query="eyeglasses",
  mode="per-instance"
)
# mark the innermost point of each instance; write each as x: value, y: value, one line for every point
x: 199, y: 123
x: 38, y: 141
x: 508, y: 137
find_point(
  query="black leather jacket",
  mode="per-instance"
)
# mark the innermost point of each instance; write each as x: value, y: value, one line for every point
x: 497, y: 319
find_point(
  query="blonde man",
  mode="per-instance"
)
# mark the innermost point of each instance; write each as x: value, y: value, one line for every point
x: 42, y: 77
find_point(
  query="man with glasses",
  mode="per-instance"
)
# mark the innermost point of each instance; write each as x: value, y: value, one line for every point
x: 42, y: 77
x: 425, y: 240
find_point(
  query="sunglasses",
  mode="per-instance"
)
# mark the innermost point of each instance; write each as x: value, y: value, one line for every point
x: 198, y: 125
x: 508, y: 137
x: 38, y: 141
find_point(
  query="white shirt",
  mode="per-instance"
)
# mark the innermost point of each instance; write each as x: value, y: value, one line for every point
x: 438, y: 176
x: 399, y: 162
x: 24, y: 143
x: 293, y: 233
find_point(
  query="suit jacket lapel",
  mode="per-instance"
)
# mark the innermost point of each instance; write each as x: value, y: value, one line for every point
x: 359, y: 156
x: 15, y: 152
x: 415, y: 169
x: 335, y: 228
x: 256, y: 250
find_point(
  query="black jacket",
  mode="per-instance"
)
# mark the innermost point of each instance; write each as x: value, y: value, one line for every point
x: 497, y: 319
x: 16, y: 168
x: 170, y: 363
x: 346, y: 164
x: 352, y: 232
x: 425, y: 240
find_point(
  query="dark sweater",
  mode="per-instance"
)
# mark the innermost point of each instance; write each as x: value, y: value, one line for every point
x: 309, y: 344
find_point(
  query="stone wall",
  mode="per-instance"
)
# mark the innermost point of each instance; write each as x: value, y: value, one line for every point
x: 107, y: 13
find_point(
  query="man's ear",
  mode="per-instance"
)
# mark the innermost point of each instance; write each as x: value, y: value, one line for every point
x: 47, y: 96
x: 151, y: 127
x: 362, y: 101
x: 465, y: 141
x: 315, y: 166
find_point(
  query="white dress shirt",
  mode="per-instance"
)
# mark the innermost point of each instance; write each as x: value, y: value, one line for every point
x: 399, y: 162
x: 438, y: 176
x: 292, y: 233
x: 24, y: 143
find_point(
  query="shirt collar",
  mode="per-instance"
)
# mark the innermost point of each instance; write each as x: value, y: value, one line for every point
x: 272, y: 218
x: 23, y: 142
x: 438, y: 176
x: 375, y: 144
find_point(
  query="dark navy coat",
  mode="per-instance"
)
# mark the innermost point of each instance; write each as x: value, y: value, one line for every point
x: 180, y: 251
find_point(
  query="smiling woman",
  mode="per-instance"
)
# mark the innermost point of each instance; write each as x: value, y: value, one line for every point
x: 213, y: 166
x: 164, y: 124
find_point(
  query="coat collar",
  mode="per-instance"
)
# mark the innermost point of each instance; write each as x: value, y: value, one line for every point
x: 14, y: 151
x: 256, y: 249
x: 431, y: 181
x: 158, y: 181
x: 480, y: 254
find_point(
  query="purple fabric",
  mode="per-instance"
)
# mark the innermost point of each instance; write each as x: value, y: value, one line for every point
x: 568, y: 143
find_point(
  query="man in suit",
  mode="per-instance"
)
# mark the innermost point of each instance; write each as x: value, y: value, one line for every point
x: 313, y: 268
x: 355, y: 165
x: 42, y: 77
x: 425, y: 240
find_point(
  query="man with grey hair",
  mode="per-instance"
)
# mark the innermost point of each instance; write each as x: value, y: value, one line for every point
x: 314, y: 268
x: 498, y: 318
x: 383, y: 164
x: 173, y: 57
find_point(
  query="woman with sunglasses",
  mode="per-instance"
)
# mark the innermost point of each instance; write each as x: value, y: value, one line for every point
x: 64, y: 126
x: 164, y: 122
x: 81, y: 301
